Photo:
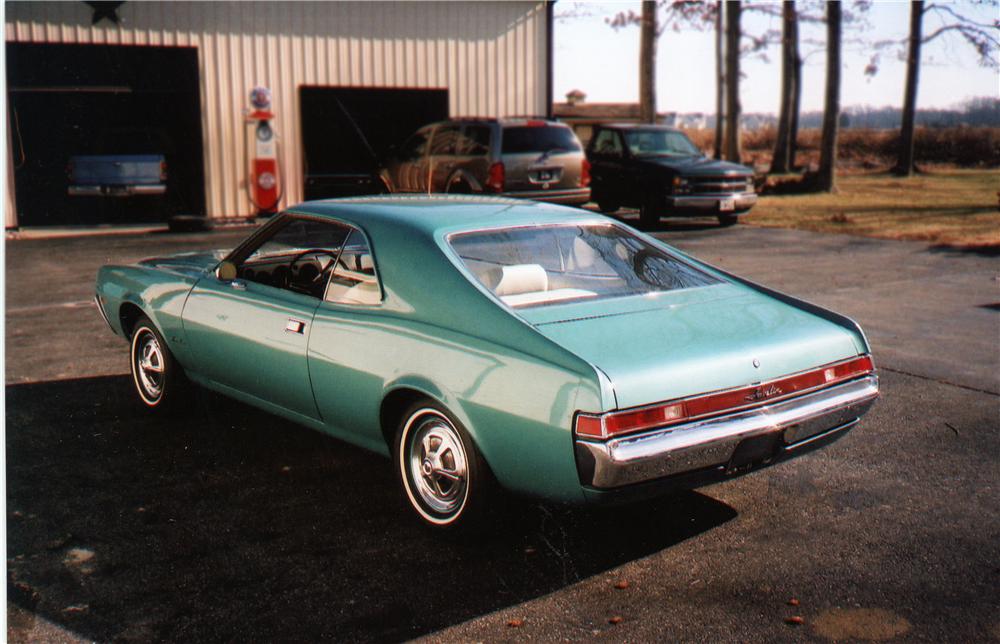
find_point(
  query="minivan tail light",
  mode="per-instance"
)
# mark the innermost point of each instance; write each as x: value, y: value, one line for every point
x: 495, y: 179
x: 611, y: 424
x: 585, y: 174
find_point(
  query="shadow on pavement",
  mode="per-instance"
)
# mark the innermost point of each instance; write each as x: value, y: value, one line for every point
x: 231, y: 524
x: 986, y: 250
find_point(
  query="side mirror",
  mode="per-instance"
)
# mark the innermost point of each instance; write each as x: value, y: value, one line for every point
x: 226, y: 272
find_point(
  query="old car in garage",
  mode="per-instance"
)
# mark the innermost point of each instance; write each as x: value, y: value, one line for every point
x: 490, y: 343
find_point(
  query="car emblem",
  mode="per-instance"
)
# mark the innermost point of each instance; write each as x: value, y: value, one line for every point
x: 756, y: 363
x: 762, y: 393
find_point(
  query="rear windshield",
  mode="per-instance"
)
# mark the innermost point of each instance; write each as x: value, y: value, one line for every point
x: 542, y: 265
x: 546, y: 138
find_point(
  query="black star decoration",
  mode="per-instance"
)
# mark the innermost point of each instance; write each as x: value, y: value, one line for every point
x: 104, y: 10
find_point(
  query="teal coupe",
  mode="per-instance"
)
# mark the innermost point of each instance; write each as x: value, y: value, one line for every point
x: 485, y: 343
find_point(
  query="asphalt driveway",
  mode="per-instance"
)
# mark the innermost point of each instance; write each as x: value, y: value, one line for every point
x: 229, y: 524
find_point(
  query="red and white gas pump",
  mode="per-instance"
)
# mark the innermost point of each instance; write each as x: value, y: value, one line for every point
x: 264, y: 188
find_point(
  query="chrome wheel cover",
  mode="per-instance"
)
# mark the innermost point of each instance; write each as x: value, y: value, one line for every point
x: 436, y: 463
x: 148, y: 365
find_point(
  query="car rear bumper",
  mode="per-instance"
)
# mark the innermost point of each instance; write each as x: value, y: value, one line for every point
x: 575, y: 196
x: 742, y: 201
x: 117, y: 191
x: 727, y: 444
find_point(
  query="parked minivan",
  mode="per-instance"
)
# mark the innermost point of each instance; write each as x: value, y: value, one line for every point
x: 525, y: 158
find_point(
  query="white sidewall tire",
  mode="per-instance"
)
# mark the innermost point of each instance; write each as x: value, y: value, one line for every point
x: 140, y: 331
x: 404, y: 472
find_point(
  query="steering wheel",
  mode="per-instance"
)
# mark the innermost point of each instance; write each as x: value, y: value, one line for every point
x: 322, y: 272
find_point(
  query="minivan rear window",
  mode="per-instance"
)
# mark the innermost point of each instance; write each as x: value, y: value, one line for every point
x: 546, y: 138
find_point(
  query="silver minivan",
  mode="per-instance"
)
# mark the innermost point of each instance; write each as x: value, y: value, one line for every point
x: 525, y: 158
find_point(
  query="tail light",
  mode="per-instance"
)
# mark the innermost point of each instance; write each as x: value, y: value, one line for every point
x: 163, y: 170
x: 585, y: 174
x: 495, y: 179
x: 609, y: 425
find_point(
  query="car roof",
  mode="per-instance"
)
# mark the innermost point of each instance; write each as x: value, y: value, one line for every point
x: 431, y: 214
x: 637, y: 126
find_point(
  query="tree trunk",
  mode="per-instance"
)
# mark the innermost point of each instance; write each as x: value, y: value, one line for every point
x: 904, y: 162
x: 793, y: 127
x: 733, y: 151
x: 720, y: 80
x: 779, y: 161
x: 831, y: 110
x: 647, y: 63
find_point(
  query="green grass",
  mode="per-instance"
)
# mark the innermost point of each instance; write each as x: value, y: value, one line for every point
x: 951, y: 207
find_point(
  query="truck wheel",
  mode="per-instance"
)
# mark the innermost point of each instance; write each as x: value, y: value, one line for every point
x: 608, y: 206
x: 649, y: 213
x: 443, y: 476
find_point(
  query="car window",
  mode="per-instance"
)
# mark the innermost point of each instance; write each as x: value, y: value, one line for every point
x: 445, y: 138
x: 414, y: 147
x: 475, y: 140
x: 608, y: 143
x: 541, y: 265
x: 298, y: 256
x: 539, y: 138
x: 354, y: 280
x: 660, y: 143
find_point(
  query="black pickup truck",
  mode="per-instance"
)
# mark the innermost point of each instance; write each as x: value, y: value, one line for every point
x: 659, y: 170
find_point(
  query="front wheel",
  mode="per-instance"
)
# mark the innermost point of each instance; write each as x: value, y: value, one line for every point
x: 443, y: 476
x: 650, y: 211
x: 157, y: 377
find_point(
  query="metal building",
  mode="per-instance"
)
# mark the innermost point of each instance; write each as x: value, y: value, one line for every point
x: 180, y: 73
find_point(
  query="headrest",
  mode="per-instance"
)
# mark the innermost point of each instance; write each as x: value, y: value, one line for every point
x: 520, y: 278
x: 584, y: 255
x: 366, y: 263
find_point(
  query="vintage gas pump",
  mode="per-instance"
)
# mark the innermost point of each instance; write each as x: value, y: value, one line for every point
x: 264, y: 188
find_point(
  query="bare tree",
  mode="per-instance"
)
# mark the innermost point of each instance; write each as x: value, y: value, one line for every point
x: 647, y: 62
x: 981, y: 36
x: 782, y: 144
x: 733, y: 150
x: 720, y: 80
x: 826, y: 181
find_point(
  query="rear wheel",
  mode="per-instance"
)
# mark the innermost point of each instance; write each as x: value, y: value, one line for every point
x: 158, y: 379
x: 444, y: 478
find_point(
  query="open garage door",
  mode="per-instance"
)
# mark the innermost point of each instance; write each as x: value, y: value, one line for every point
x: 69, y: 100
x: 347, y: 131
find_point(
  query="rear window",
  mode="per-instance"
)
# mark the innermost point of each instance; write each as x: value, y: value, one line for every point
x: 546, y: 138
x: 542, y: 265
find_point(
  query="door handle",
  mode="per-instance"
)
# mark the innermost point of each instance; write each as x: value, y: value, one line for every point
x: 295, y: 326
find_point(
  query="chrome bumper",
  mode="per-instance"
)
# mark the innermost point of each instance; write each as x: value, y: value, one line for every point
x: 703, y: 444
x: 117, y: 191
x: 742, y: 201
x: 574, y: 196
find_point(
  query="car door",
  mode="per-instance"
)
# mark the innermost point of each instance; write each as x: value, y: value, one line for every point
x: 608, y: 169
x: 350, y: 350
x: 250, y: 323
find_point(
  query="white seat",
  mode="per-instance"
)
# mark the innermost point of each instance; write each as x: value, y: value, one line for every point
x: 519, y: 278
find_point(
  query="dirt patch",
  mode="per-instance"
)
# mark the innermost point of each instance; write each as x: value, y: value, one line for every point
x: 870, y: 624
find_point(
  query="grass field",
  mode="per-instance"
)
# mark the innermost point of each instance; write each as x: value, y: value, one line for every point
x: 951, y: 207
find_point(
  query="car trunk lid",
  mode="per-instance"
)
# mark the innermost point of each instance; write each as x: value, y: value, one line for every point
x: 690, y: 342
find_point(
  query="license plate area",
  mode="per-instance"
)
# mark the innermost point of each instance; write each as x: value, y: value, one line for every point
x: 753, y: 452
x: 727, y: 205
x: 545, y: 175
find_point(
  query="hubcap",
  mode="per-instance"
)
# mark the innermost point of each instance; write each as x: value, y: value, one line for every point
x: 438, y: 465
x: 149, y: 365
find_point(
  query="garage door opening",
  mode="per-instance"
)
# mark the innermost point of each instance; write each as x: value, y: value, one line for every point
x: 68, y: 100
x: 347, y: 132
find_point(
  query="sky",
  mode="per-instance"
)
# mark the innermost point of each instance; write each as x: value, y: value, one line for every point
x: 591, y: 56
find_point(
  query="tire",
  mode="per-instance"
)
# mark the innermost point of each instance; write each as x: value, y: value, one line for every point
x: 728, y: 220
x: 608, y: 206
x: 649, y: 213
x: 159, y: 381
x: 443, y: 477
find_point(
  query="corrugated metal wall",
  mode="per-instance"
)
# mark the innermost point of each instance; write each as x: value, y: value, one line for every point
x: 489, y: 55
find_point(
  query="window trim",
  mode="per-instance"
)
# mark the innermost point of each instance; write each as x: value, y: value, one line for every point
x: 378, y: 280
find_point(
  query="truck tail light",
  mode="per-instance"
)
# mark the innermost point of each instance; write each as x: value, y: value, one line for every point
x: 495, y: 179
x: 163, y: 170
x: 585, y: 174
x: 611, y: 424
